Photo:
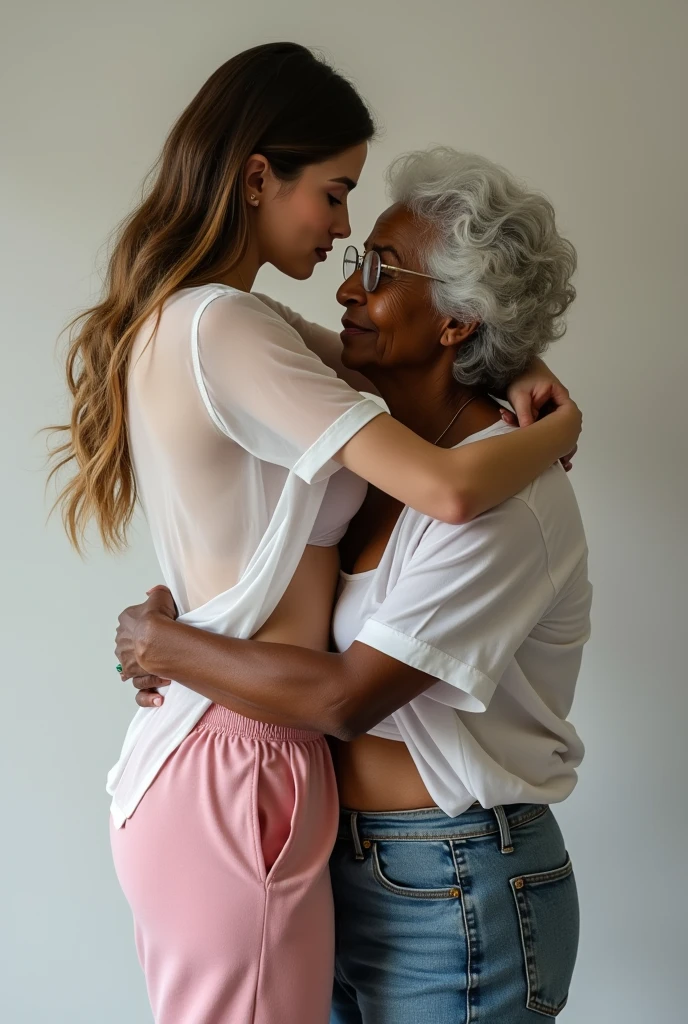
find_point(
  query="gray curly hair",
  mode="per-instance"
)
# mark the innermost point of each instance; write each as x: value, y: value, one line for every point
x: 497, y: 253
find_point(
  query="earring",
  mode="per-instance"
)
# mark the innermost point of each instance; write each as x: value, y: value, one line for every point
x: 254, y: 200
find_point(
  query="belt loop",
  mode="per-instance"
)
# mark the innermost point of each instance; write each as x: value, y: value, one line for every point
x: 358, y: 849
x: 506, y: 846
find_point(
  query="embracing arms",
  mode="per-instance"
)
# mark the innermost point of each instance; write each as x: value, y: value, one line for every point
x: 276, y: 398
x: 463, y: 603
x: 342, y: 695
x: 458, y: 484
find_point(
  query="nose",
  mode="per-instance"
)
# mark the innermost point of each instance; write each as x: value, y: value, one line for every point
x: 351, y: 291
x: 341, y: 227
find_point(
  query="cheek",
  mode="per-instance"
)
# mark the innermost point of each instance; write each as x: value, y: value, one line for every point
x: 302, y: 219
x: 385, y: 310
x: 395, y: 324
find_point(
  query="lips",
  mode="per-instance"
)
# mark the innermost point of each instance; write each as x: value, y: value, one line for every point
x: 351, y: 328
x: 322, y: 253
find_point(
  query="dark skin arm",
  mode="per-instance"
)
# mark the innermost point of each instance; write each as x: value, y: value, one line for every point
x: 339, y: 694
x: 342, y: 695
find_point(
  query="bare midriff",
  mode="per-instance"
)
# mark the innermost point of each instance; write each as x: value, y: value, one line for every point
x: 375, y: 774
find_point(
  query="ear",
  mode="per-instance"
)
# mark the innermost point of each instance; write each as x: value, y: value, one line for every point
x: 455, y: 332
x: 256, y: 172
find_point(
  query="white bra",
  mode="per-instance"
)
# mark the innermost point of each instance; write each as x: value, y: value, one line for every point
x: 343, y: 498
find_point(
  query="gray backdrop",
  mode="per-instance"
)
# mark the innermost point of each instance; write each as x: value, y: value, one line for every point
x: 582, y: 99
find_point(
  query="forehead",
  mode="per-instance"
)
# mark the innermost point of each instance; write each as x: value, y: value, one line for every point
x: 347, y: 164
x: 395, y: 226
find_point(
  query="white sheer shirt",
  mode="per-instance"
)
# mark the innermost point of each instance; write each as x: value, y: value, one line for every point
x: 233, y: 420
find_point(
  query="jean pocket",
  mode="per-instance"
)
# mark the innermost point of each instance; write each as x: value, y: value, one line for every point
x: 547, y: 906
x: 405, y: 868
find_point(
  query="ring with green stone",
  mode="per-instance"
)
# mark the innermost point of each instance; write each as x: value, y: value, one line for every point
x: 118, y: 668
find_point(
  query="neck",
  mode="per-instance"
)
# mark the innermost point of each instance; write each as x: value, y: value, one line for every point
x: 426, y: 400
x: 243, y: 275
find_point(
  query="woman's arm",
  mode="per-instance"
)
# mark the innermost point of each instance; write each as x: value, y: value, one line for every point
x: 301, y: 416
x: 341, y: 695
x: 453, y: 486
x: 457, y: 484
x: 529, y: 392
x: 455, y: 617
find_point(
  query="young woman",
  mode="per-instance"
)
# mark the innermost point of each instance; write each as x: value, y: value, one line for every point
x: 204, y: 401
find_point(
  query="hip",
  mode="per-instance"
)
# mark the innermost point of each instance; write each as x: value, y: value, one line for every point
x: 477, y: 910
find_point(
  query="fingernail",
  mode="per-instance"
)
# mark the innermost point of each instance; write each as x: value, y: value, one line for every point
x: 157, y: 701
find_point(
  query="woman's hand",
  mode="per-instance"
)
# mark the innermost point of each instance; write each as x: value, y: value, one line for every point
x: 136, y: 625
x: 534, y: 389
x: 537, y: 392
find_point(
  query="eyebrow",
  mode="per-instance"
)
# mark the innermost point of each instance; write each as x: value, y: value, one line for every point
x: 384, y: 248
x: 351, y: 185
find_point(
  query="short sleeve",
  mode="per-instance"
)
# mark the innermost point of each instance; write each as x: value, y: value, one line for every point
x: 465, y: 602
x: 267, y: 391
x: 324, y: 342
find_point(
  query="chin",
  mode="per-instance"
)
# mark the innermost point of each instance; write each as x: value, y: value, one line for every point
x: 353, y: 359
x: 298, y: 271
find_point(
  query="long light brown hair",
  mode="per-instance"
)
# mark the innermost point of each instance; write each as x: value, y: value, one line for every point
x: 279, y: 100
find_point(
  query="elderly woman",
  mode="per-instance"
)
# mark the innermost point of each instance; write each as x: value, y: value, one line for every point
x: 456, y: 647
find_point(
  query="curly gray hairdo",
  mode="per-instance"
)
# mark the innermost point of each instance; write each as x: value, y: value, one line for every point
x: 497, y: 253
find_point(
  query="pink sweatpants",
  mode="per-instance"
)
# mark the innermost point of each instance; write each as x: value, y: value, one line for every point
x: 225, y: 866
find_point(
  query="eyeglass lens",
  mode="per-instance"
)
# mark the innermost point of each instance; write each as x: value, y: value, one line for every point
x: 351, y: 261
x: 371, y: 270
x: 370, y: 266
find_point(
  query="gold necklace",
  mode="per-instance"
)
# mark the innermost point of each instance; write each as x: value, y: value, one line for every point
x: 454, y: 418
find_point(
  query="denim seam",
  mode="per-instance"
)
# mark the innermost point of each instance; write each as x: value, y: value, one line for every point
x: 532, y: 1003
x: 549, y: 876
x: 468, y: 939
x: 417, y: 812
x: 400, y: 890
x: 453, y: 836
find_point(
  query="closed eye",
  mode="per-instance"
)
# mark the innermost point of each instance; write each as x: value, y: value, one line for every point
x: 333, y: 200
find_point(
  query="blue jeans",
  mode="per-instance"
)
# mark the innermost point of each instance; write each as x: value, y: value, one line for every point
x: 452, y: 920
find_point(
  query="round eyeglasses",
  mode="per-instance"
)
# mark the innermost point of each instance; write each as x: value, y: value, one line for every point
x: 371, y: 266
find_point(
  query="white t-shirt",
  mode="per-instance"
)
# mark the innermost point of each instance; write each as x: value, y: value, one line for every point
x: 498, y: 611
x: 233, y: 421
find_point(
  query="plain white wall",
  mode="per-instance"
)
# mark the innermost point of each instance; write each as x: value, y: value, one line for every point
x: 584, y: 100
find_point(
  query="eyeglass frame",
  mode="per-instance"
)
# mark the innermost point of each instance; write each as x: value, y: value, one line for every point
x: 360, y: 260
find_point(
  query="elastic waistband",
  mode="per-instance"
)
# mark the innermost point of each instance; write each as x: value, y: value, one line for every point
x: 222, y: 720
x: 432, y: 823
